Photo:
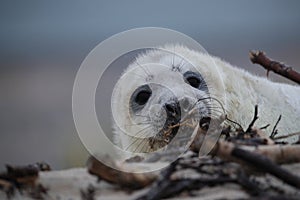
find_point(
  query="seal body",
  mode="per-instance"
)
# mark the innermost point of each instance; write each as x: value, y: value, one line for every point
x: 162, y: 85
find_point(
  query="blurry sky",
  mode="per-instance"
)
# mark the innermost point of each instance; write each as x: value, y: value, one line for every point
x: 42, y: 44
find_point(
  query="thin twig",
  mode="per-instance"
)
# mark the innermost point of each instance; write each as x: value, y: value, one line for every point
x: 286, y: 136
x: 255, y: 117
x: 264, y: 127
x: 274, y: 131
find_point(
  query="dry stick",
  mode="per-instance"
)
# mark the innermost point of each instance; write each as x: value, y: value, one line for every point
x: 255, y: 117
x: 157, y: 190
x: 264, y: 127
x: 123, y: 179
x: 280, y: 154
x: 260, y: 58
x: 229, y: 151
x: 7, y: 187
x: 274, y: 131
x: 286, y: 136
x: 265, y: 164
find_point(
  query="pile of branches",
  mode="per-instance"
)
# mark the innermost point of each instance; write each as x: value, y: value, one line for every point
x: 241, y: 158
x: 23, y: 179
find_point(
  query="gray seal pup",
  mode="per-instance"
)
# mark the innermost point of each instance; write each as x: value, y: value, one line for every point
x: 162, y: 85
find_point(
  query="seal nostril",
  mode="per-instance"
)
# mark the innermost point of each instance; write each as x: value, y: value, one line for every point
x: 170, y: 108
x: 173, y: 109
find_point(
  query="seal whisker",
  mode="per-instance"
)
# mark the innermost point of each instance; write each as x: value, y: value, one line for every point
x: 142, y: 141
x: 139, y: 115
x: 140, y: 135
x: 140, y: 123
x: 134, y: 144
x: 136, y: 135
x: 215, y: 99
x: 180, y: 64
x: 215, y: 109
x: 138, y: 75
x: 143, y: 68
x: 173, y: 57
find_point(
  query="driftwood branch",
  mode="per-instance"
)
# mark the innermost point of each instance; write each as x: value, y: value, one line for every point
x: 23, y: 178
x: 263, y: 158
x: 286, y: 136
x: 123, y: 179
x: 260, y: 58
x: 267, y: 165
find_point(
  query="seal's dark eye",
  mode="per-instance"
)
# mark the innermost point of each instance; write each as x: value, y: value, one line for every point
x: 142, y: 97
x: 193, y: 79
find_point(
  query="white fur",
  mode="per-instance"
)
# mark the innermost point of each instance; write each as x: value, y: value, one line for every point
x: 238, y: 91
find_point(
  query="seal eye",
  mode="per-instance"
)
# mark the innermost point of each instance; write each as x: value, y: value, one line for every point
x: 142, y: 97
x: 193, y: 79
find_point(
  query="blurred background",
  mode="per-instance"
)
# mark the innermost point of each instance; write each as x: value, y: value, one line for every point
x: 42, y: 44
